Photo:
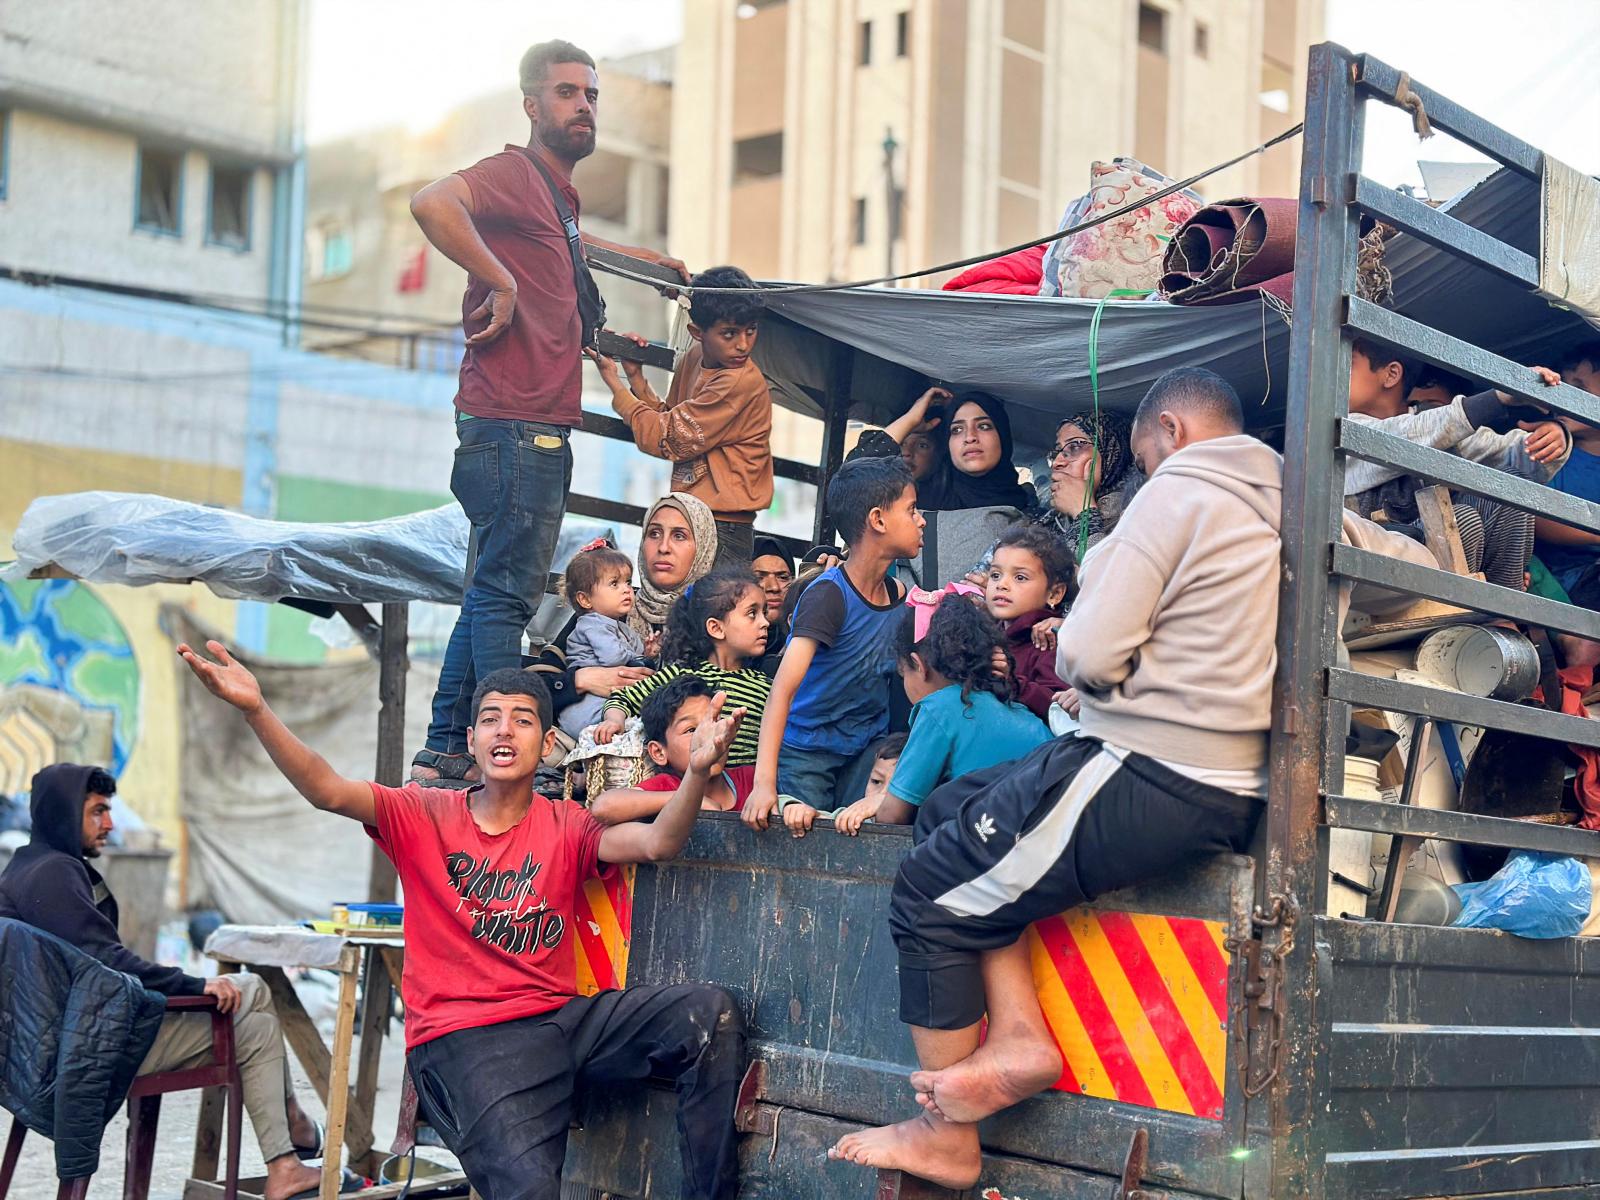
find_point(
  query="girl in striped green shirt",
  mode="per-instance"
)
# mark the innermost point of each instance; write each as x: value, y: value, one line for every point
x: 714, y: 629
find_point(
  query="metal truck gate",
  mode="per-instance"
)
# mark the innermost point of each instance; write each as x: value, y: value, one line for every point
x: 1396, y: 1061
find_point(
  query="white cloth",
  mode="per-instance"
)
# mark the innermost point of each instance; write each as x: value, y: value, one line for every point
x: 1569, y: 239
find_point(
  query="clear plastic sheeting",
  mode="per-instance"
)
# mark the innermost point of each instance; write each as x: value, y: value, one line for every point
x: 115, y: 537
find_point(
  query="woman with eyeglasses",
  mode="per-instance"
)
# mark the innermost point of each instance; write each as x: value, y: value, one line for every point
x: 1092, y: 476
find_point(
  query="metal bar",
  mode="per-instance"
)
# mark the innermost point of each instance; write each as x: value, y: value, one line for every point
x: 1417, y: 340
x: 1397, y: 575
x: 390, y: 768
x: 1381, y: 80
x: 610, y: 260
x: 1378, y: 816
x: 1313, y: 486
x: 617, y: 430
x: 1401, y: 846
x: 1444, y: 232
x: 836, y: 418
x: 1440, y: 466
x: 1372, y: 691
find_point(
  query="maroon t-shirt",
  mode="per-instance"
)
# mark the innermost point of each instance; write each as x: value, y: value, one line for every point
x: 534, y: 370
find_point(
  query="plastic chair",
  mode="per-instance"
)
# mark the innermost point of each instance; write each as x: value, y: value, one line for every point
x: 144, y: 1112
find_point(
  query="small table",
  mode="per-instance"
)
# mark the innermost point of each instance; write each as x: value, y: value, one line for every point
x: 267, y: 950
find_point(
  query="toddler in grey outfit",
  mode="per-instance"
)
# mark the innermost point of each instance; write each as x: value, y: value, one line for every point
x: 599, y: 585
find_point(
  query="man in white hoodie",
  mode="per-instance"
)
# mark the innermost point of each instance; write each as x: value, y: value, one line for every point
x: 1170, y: 646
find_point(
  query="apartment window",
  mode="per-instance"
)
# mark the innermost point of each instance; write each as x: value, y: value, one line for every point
x: 330, y: 250
x: 1202, y: 40
x: 159, y: 207
x: 902, y: 34
x: 5, y: 150
x: 859, y: 222
x: 864, y: 44
x: 228, y: 214
x: 1153, y: 28
x: 338, y: 253
x: 758, y: 157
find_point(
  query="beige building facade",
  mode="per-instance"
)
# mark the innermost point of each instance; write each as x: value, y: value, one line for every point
x: 833, y: 139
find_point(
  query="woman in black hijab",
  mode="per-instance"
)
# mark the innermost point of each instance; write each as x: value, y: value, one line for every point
x: 976, y: 471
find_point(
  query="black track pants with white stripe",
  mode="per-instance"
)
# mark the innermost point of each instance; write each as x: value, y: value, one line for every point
x: 1001, y: 848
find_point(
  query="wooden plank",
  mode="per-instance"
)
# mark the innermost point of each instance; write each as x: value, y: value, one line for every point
x: 253, y: 1188
x: 208, y: 1124
x: 1363, y: 631
x: 339, y: 1079
x: 1440, y: 530
x: 375, y: 998
x: 299, y: 1030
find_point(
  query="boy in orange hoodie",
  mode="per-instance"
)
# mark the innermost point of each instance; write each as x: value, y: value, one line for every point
x: 715, y: 426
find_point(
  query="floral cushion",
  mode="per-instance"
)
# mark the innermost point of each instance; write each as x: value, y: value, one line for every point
x: 1125, y: 252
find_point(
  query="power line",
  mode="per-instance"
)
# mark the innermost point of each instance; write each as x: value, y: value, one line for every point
x: 1131, y: 206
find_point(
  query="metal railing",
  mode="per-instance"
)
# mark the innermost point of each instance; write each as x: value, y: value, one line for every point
x: 1313, y: 695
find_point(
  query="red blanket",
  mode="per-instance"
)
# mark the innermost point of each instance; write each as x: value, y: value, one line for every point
x: 1013, y: 275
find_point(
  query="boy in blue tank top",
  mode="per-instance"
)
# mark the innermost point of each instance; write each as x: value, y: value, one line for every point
x: 830, y: 699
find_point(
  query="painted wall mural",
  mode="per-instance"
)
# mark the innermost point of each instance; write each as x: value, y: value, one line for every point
x: 69, y: 680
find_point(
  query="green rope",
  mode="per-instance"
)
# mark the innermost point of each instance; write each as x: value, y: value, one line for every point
x: 1094, y: 388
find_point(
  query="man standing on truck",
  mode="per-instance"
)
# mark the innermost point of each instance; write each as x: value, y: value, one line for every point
x: 511, y: 222
x: 1170, y: 645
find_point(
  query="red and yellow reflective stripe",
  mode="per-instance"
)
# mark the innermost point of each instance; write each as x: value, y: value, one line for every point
x: 1138, y: 1006
x: 603, y: 911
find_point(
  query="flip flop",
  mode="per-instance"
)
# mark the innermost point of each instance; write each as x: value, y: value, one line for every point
x: 349, y: 1181
x: 314, y: 1151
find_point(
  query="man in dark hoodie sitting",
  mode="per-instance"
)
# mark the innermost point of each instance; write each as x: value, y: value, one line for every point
x: 51, y: 885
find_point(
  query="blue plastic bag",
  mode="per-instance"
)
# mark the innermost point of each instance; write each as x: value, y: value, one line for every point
x: 1533, y: 896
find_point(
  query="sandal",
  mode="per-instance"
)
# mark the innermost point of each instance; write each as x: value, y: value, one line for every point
x: 449, y: 769
x: 314, y: 1150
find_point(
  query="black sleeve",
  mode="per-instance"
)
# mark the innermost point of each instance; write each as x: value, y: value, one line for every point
x: 820, y: 613
x: 68, y: 911
x: 1485, y: 411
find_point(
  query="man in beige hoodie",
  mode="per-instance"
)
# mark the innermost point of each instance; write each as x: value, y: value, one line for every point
x: 1170, y: 648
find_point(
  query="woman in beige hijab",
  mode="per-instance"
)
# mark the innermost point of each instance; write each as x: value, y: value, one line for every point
x: 678, y: 548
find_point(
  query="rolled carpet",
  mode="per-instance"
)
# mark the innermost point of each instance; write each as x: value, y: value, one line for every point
x: 1231, y: 251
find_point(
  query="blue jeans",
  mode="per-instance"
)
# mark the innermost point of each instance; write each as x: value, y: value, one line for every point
x: 823, y: 779
x: 511, y: 478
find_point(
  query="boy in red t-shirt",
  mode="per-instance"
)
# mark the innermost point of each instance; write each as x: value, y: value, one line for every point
x: 497, y: 1039
x: 671, y: 718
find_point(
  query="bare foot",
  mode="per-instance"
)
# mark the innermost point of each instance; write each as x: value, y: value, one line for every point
x: 288, y: 1176
x: 931, y: 1149
x: 996, y: 1075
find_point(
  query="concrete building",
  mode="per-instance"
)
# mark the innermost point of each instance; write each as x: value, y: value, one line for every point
x: 833, y: 139
x: 153, y: 146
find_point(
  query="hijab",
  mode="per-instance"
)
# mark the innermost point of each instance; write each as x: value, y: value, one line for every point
x: 1110, y: 432
x: 998, y: 487
x: 650, y: 603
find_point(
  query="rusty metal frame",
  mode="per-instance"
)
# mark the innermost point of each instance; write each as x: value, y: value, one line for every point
x: 1311, y: 696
